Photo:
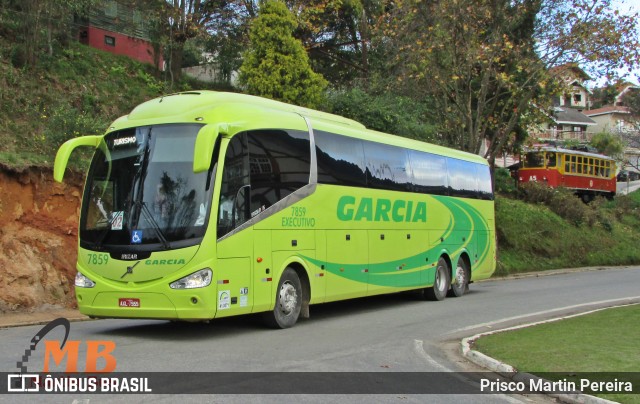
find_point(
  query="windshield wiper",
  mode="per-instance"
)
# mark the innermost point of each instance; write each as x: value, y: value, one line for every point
x: 154, y: 225
x: 103, y: 235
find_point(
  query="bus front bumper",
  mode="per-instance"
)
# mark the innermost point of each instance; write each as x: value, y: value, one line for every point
x: 183, y: 305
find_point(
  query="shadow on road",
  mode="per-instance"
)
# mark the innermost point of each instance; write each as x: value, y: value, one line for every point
x: 238, y: 325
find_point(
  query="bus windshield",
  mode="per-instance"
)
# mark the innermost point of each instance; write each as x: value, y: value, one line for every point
x: 141, y: 189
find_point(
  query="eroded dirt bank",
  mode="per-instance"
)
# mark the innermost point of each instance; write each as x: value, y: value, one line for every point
x: 38, y: 239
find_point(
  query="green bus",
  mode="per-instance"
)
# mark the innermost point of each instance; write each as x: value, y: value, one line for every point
x: 201, y: 205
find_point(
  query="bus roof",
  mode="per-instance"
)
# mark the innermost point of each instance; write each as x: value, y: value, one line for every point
x: 568, y: 151
x: 190, y: 102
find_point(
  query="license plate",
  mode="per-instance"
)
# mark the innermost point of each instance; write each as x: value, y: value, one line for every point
x: 129, y: 302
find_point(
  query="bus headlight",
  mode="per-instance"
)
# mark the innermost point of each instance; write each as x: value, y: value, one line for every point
x: 199, y: 279
x: 84, y: 282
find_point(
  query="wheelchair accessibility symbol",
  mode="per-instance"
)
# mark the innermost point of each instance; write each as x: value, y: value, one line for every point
x: 136, y: 237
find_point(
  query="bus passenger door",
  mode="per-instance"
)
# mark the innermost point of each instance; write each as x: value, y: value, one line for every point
x: 347, y: 268
x: 235, y: 239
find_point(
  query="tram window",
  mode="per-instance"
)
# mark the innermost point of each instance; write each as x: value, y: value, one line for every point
x: 567, y: 164
x: 551, y: 159
x: 534, y: 160
x: 579, y: 162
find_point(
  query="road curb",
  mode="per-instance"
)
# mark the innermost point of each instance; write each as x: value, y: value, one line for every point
x: 512, y: 373
x: 10, y: 320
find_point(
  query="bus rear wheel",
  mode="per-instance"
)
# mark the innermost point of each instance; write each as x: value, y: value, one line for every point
x: 441, y: 282
x: 288, y: 301
x: 460, y: 282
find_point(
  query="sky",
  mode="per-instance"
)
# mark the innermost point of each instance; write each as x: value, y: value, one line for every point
x: 627, y: 7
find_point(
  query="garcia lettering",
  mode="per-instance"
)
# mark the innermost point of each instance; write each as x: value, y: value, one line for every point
x: 380, y: 210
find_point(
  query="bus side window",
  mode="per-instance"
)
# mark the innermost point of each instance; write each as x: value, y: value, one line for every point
x: 233, y: 210
x: 340, y: 160
x: 280, y: 163
x: 429, y: 173
x: 461, y: 183
x: 387, y: 167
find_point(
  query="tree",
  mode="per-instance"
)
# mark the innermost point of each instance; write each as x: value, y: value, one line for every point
x: 276, y: 65
x: 632, y: 101
x: 42, y: 24
x: 336, y: 34
x: 609, y: 144
x: 182, y: 20
x: 605, y: 95
x: 487, y: 65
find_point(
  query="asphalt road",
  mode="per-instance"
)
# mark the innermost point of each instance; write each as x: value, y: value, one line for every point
x: 397, y: 333
x: 624, y: 188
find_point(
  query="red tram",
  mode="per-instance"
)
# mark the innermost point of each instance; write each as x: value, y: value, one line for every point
x: 589, y: 174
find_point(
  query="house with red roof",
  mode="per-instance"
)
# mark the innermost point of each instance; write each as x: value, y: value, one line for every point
x: 612, y: 118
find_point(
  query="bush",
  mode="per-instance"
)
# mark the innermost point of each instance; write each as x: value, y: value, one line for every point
x: 562, y: 202
x: 388, y: 113
x: 66, y: 122
x: 504, y: 183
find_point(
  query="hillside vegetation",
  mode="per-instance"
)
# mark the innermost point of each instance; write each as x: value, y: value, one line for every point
x: 78, y: 91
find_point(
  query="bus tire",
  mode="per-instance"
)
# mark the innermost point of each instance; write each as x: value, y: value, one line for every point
x: 288, y: 301
x: 460, y: 281
x: 441, y: 282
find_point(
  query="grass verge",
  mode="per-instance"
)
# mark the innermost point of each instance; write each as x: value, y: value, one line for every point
x: 604, y: 341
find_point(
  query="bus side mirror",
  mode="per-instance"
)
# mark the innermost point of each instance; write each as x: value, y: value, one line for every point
x: 62, y: 157
x: 203, y: 149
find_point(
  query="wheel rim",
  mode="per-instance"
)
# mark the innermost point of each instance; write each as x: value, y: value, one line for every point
x: 460, y: 276
x: 440, y: 280
x: 288, y: 298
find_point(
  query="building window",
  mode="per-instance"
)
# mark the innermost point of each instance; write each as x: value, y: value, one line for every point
x: 137, y: 18
x: 109, y: 40
x: 577, y: 98
x: 111, y: 9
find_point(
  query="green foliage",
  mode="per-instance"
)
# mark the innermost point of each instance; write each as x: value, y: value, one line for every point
x: 607, y: 143
x: 386, y: 113
x: 561, y: 201
x: 504, y: 183
x: 603, y: 96
x: 66, y: 122
x: 76, y: 92
x: 276, y: 65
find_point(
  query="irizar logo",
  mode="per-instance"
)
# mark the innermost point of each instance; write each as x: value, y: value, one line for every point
x: 380, y: 210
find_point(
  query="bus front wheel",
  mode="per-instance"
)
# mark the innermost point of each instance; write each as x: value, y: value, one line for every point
x: 288, y: 301
x: 441, y: 282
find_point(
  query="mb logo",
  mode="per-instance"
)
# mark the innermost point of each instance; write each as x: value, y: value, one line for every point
x: 57, y: 353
